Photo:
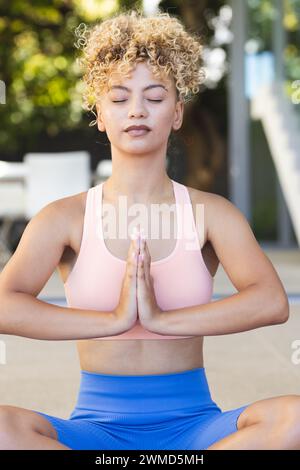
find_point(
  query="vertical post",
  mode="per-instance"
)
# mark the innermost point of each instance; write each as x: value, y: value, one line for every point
x: 239, y: 153
x: 278, y: 40
x: 284, y: 224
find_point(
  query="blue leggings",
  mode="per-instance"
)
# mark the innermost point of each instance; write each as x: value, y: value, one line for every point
x: 150, y: 412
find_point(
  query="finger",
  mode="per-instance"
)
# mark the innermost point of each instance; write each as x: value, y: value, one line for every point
x: 147, y: 259
x: 134, y: 244
x: 132, y: 258
x: 141, y: 262
x: 141, y: 281
x: 148, y: 269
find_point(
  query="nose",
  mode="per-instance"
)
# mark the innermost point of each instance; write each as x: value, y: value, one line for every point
x: 137, y: 107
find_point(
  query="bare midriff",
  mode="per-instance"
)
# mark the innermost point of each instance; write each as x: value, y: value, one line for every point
x: 140, y: 357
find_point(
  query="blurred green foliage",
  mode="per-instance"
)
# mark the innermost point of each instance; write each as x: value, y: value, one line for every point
x: 262, y: 14
x: 38, y: 61
x: 38, y: 66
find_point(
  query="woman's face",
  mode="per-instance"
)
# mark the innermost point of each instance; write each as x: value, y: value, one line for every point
x: 139, y: 100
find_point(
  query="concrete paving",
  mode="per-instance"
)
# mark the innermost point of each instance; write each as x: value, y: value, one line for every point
x: 241, y: 368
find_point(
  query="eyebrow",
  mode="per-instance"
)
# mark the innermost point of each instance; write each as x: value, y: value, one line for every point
x: 146, y: 88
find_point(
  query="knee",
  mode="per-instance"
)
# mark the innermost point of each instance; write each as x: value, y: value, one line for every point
x: 6, y: 416
x: 284, y: 419
x: 8, y: 426
x: 286, y: 410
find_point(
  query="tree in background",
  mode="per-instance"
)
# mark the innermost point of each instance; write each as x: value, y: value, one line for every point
x: 262, y: 14
x: 38, y: 66
x: 43, y: 92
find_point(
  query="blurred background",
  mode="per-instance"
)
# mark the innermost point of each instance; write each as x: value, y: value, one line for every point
x: 240, y: 138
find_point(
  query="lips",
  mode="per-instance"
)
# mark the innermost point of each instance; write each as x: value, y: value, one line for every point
x: 136, y: 131
x: 137, y: 128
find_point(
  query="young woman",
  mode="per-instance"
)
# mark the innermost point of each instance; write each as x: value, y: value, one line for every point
x: 140, y: 307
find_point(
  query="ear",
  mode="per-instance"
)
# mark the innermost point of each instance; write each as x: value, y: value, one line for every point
x: 100, y: 122
x: 178, y: 115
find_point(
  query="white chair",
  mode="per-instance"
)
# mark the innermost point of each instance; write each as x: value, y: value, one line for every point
x: 53, y: 176
x: 12, y: 202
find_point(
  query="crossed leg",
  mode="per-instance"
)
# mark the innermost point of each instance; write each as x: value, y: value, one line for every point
x: 22, y: 429
x: 272, y: 423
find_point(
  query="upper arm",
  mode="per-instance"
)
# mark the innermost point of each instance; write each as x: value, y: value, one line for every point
x: 237, y: 248
x: 39, y: 250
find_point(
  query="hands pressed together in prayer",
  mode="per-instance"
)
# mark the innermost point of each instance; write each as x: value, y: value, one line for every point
x: 137, y: 298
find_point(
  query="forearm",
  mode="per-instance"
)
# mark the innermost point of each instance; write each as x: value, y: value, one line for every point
x: 24, y: 315
x: 254, y: 307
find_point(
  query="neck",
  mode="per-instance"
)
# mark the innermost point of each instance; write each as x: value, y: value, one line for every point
x: 139, y: 189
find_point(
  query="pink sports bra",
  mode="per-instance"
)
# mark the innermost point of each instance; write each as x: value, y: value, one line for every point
x: 181, y: 279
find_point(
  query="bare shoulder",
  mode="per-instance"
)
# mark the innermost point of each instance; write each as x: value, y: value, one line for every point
x: 234, y: 243
x: 72, y: 205
x: 216, y: 209
x: 45, y: 238
x: 199, y: 196
x: 73, y: 208
x: 67, y: 214
x: 221, y: 214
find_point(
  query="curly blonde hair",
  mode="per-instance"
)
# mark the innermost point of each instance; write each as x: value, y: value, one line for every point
x: 119, y: 42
